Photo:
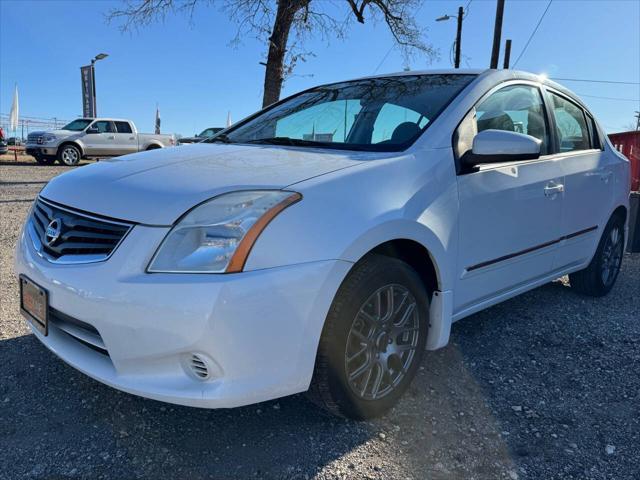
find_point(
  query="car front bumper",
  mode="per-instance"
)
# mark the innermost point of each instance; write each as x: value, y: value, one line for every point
x: 257, y: 330
x: 40, y: 150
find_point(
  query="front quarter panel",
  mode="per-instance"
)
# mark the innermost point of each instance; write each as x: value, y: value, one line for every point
x: 344, y: 215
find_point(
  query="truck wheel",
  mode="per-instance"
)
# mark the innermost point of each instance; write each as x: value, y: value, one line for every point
x: 599, y: 277
x: 152, y: 147
x: 69, y: 155
x: 44, y: 160
x: 373, y: 339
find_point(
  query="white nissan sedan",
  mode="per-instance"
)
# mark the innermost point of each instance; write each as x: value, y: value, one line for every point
x: 325, y: 242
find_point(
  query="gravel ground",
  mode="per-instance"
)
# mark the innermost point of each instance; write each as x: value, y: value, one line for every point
x: 544, y: 386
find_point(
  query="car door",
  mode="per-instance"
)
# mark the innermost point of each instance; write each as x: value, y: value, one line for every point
x: 509, y: 213
x: 125, y: 140
x: 101, y: 143
x: 588, y: 180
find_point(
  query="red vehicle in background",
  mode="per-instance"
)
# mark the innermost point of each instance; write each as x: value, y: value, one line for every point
x: 628, y: 143
x: 3, y: 143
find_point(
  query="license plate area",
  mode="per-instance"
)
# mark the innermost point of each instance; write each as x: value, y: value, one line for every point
x: 34, y: 304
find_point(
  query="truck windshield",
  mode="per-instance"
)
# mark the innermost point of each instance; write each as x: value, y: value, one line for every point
x: 77, y: 125
x: 208, y: 132
x: 376, y: 114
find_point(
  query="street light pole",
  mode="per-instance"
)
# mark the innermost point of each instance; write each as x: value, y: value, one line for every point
x: 458, y: 44
x: 100, y: 56
x: 458, y: 37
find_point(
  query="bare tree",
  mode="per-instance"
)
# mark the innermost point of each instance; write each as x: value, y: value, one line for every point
x: 284, y: 25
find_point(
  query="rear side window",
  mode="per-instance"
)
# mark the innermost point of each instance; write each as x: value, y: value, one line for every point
x: 123, y: 127
x: 571, y: 125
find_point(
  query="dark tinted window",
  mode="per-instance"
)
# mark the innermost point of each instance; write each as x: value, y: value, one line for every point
x: 123, y: 127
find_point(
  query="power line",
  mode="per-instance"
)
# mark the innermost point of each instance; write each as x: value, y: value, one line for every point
x: 609, y: 98
x: 594, y: 81
x: 532, y: 33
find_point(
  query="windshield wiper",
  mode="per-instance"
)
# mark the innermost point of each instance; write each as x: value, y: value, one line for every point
x: 286, y: 141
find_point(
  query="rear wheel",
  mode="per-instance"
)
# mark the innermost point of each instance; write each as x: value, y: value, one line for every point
x: 599, y: 277
x: 373, y: 340
x: 69, y: 155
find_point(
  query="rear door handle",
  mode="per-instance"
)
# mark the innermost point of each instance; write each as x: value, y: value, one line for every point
x: 553, y: 188
x: 111, y: 137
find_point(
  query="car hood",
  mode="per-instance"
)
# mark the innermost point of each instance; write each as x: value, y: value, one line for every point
x: 53, y: 132
x: 159, y: 186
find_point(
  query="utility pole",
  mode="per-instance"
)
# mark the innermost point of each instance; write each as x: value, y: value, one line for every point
x: 507, y: 53
x: 458, y: 43
x: 459, y: 37
x: 497, y: 33
x: 638, y: 122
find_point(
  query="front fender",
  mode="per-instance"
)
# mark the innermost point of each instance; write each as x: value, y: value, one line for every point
x: 402, y: 229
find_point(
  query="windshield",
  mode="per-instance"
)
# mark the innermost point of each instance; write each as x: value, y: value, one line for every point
x: 379, y: 114
x: 208, y: 132
x: 77, y: 125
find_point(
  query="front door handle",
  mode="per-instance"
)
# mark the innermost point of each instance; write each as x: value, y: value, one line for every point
x: 553, y: 188
x: 111, y: 137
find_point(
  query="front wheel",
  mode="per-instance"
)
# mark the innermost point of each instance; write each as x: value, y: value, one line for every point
x: 69, y: 155
x: 599, y: 277
x: 373, y: 339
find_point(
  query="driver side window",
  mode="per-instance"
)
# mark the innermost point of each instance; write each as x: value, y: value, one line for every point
x: 103, y: 126
x: 516, y: 108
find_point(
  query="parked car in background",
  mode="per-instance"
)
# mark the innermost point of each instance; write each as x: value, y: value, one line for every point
x: 203, y: 135
x: 3, y: 143
x: 324, y: 242
x: 92, y: 137
x: 14, y: 141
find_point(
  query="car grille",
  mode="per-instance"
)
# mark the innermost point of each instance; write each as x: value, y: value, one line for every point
x: 65, y: 236
x: 34, y: 138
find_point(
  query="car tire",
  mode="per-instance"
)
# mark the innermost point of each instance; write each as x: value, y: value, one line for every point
x: 599, y: 277
x: 69, y: 155
x: 44, y: 160
x: 391, y: 340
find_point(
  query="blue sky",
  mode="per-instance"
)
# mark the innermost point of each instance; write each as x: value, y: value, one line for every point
x: 195, y: 76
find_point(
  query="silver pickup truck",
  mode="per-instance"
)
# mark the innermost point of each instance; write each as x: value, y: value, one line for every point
x: 92, y: 137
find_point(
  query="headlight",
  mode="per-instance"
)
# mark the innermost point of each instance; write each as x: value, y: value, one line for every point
x: 48, y: 138
x: 217, y: 236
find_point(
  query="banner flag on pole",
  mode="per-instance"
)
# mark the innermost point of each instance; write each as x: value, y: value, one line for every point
x: 157, y: 120
x: 14, y: 114
x: 228, y: 118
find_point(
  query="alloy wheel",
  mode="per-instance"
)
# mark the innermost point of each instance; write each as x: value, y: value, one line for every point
x: 70, y: 156
x: 611, y: 256
x: 382, y: 342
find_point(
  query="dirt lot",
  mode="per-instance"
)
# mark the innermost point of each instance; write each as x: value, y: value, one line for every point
x: 544, y: 386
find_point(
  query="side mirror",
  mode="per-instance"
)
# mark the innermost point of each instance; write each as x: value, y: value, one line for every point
x: 92, y: 130
x: 496, y: 146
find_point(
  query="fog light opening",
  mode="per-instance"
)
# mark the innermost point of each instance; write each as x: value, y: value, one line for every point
x: 198, y: 366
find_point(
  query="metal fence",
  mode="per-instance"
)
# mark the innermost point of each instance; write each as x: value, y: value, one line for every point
x: 29, y: 124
